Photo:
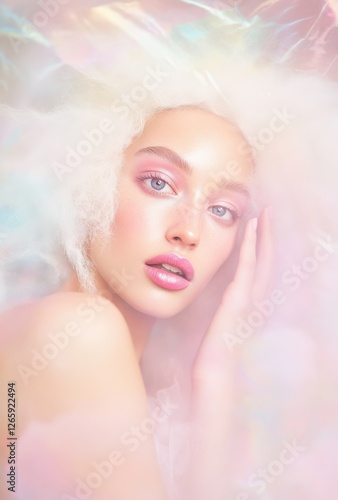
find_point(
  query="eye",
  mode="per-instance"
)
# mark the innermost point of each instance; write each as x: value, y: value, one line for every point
x: 224, y: 213
x: 155, y: 183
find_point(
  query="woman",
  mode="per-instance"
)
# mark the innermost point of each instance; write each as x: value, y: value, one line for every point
x: 164, y: 243
x: 140, y: 250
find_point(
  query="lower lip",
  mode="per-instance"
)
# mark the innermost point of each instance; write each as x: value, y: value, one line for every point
x: 166, y: 279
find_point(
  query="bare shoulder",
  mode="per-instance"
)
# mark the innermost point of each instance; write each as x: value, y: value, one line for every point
x: 79, y: 308
x: 82, y: 321
x: 71, y: 348
x: 67, y: 313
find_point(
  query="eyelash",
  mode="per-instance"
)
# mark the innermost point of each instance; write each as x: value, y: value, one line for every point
x: 233, y: 213
x: 156, y: 175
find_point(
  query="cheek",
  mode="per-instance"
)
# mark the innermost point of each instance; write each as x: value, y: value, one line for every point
x: 126, y: 219
x: 135, y: 216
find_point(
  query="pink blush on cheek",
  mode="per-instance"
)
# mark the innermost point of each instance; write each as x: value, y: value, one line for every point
x: 133, y: 218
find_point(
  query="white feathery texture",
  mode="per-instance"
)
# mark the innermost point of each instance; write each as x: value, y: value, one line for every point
x: 74, y: 201
x: 51, y: 207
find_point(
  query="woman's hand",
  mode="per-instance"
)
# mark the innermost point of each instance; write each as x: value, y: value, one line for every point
x: 250, y: 284
x: 213, y: 376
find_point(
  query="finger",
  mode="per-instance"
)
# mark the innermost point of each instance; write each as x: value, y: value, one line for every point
x: 237, y: 295
x: 240, y: 289
x: 265, y: 256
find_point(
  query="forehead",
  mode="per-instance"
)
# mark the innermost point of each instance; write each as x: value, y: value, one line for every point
x: 204, y: 140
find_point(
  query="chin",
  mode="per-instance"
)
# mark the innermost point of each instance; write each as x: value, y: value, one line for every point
x: 161, y: 306
x: 161, y: 309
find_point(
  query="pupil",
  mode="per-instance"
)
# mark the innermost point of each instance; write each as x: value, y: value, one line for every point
x: 220, y: 210
x: 157, y: 184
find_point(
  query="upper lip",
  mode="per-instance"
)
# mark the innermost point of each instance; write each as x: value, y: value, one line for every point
x: 174, y: 260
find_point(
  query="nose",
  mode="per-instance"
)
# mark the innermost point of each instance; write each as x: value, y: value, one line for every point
x: 185, y: 230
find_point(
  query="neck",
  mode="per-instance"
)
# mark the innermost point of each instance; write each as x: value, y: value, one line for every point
x: 139, y: 324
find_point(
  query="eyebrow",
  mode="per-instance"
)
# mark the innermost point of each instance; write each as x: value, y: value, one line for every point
x: 173, y: 157
x: 168, y: 154
x: 233, y: 186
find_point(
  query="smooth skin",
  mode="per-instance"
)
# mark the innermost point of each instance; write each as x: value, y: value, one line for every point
x: 95, y: 381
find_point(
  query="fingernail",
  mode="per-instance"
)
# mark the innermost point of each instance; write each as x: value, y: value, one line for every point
x: 254, y: 223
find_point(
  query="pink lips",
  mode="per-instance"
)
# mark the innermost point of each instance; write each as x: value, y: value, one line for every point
x: 168, y: 279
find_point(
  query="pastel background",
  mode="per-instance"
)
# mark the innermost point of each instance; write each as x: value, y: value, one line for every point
x: 288, y: 373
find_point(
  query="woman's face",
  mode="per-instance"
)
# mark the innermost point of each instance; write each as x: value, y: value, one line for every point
x: 183, y: 194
